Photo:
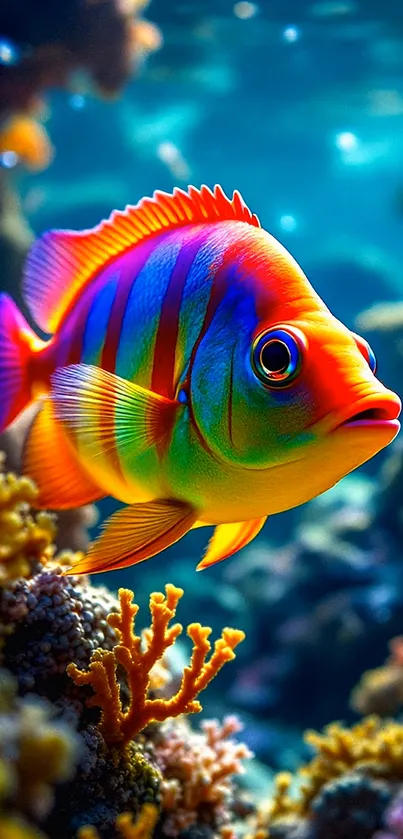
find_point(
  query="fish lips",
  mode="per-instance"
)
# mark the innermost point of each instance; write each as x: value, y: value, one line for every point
x: 374, y: 412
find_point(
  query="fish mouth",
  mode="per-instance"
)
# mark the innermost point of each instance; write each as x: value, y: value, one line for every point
x: 372, y: 412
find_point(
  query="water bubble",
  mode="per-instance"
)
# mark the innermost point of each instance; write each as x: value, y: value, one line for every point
x: 291, y: 34
x: 77, y: 101
x: 245, y: 10
x: 173, y: 158
x: 10, y: 54
x: 8, y: 159
x: 346, y: 141
x: 288, y: 223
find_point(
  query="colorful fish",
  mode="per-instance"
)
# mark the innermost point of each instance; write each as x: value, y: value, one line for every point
x: 193, y: 373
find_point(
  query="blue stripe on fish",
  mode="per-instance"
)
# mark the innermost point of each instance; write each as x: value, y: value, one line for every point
x: 196, y: 295
x: 97, y: 321
x: 163, y: 376
x: 143, y: 311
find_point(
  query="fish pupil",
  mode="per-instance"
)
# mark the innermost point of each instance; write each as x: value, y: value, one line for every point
x: 275, y: 357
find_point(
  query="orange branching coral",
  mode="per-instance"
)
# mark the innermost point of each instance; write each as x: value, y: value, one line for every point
x: 380, y: 691
x: 121, y: 725
x: 140, y: 828
x: 160, y: 674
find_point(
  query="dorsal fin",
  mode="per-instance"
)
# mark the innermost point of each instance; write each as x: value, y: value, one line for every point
x: 62, y: 262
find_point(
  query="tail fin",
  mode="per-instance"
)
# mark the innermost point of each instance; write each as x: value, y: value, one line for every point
x: 16, y: 343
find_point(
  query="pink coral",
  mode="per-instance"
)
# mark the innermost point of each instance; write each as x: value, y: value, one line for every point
x: 393, y: 821
x: 198, y: 769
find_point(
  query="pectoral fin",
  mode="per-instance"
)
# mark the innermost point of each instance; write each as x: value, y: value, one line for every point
x: 102, y: 411
x: 137, y: 533
x: 227, y: 539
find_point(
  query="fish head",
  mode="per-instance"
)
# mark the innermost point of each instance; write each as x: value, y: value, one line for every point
x: 279, y: 380
x: 354, y: 415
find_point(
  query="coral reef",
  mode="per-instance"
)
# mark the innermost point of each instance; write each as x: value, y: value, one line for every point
x: 26, y: 541
x: 35, y: 752
x: 197, y: 769
x: 107, y: 765
x: 380, y: 691
x: 108, y: 781
x: 393, y: 820
x: 350, y: 806
x: 345, y: 789
x: 49, y: 621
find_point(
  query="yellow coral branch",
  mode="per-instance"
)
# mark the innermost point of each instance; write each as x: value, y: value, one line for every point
x: 141, y: 828
x: 373, y: 747
x: 144, y: 825
x: 119, y: 725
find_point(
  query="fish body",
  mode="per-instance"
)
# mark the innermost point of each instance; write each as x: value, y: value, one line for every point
x: 193, y: 373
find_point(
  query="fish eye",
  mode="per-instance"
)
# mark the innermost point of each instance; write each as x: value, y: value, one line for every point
x: 276, y: 357
x: 367, y: 351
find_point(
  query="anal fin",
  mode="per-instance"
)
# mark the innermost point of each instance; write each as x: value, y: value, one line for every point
x: 50, y: 460
x: 227, y: 539
x: 136, y: 533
